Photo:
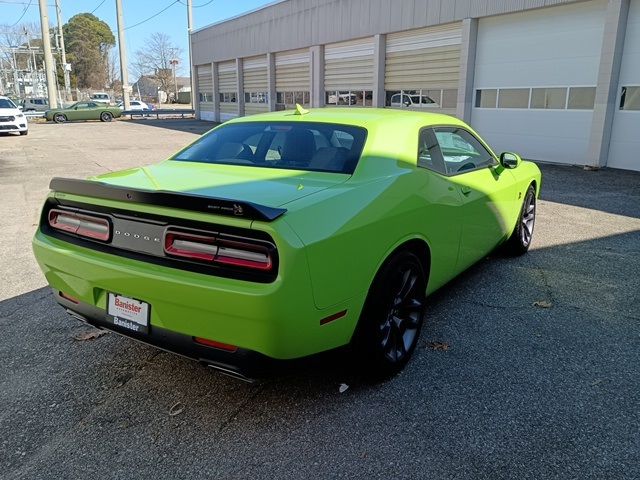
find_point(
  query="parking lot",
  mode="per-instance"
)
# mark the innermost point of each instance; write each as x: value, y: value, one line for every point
x: 527, y: 367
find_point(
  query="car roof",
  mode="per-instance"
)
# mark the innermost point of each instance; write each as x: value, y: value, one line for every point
x: 361, y: 117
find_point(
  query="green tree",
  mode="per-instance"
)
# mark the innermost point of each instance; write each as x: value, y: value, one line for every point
x: 88, y: 41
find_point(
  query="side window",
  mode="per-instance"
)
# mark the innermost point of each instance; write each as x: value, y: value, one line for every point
x: 429, y: 155
x: 461, y: 151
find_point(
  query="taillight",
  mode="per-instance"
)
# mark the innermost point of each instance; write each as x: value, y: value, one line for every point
x: 218, y: 250
x: 80, y: 224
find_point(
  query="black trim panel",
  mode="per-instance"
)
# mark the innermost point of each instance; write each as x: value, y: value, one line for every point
x: 185, y: 201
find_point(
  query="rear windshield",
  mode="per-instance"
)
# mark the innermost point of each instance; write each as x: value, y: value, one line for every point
x: 320, y: 147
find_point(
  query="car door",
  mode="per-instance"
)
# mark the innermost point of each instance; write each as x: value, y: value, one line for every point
x: 79, y: 111
x: 443, y: 213
x: 486, y: 190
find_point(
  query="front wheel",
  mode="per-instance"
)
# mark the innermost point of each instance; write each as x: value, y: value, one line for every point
x: 59, y: 118
x: 24, y: 132
x: 520, y: 240
x: 392, y: 316
x: 106, y: 117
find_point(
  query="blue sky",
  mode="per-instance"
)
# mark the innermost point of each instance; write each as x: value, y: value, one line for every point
x: 172, y: 21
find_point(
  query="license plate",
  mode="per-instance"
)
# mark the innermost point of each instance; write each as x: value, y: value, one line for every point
x: 128, y: 313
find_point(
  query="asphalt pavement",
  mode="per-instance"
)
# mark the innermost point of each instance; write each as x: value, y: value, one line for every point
x: 527, y: 368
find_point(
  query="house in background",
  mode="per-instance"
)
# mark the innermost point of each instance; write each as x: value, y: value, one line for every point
x: 148, y: 89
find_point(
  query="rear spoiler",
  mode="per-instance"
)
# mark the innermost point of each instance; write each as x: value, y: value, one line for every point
x: 163, y: 198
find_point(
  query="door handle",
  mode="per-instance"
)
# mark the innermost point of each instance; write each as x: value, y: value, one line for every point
x: 465, y: 190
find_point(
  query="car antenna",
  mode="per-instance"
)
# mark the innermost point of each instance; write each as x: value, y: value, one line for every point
x: 300, y: 110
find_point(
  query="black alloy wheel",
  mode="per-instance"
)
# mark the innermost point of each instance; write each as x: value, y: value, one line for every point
x: 392, y: 317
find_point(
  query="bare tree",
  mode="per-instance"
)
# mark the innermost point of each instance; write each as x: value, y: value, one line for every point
x: 155, y: 60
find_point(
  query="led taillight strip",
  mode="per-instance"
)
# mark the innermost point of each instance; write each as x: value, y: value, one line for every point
x: 213, y: 249
x: 80, y: 224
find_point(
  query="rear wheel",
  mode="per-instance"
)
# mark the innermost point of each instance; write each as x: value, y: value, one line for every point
x: 59, y: 118
x: 520, y: 240
x: 392, y: 317
x: 106, y: 117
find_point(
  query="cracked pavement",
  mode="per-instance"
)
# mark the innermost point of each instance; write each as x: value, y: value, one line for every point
x: 522, y: 391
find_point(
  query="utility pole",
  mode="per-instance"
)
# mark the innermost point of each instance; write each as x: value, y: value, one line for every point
x: 65, y: 69
x: 189, y: 29
x: 48, y: 58
x: 124, y: 74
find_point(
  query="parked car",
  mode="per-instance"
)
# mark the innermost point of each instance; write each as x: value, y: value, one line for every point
x: 281, y: 235
x: 343, y: 99
x: 136, y: 105
x: 83, y: 111
x: 101, y: 97
x: 419, y: 101
x: 35, y: 104
x: 11, y: 117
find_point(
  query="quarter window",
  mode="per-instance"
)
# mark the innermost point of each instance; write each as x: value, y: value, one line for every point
x: 461, y: 151
x: 429, y: 154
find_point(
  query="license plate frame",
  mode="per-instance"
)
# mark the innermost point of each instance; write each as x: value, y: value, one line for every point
x: 128, y: 313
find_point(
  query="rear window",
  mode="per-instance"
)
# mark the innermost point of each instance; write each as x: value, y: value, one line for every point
x: 320, y: 147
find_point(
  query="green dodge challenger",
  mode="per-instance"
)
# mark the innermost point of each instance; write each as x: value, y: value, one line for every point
x: 281, y: 235
x: 83, y: 111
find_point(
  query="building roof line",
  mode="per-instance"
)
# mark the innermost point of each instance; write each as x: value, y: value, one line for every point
x: 257, y: 9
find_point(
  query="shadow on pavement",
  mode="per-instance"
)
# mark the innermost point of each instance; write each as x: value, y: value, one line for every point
x: 180, y: 124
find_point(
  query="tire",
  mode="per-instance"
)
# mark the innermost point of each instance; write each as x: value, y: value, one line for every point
x: 59, y: 118
x: 392, y: 317
x: 24, y: 132
x: 106, y: 117
x: 520, y: 240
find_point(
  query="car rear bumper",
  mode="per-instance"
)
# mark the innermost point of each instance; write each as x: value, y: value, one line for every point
x: 278, y: 320
x: 242, y: 363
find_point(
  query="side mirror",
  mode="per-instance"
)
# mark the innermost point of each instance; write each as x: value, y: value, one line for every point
x: 510, y: 159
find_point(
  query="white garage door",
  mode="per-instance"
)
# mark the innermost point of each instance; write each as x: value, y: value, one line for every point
x: 348, y: 73
x: 422, y: 68
x: 625, y: 135
x: 256, y: 85
x: 205, y: 91
x: 228, y: 88
x: 535, y: 80
x: 292, y: 79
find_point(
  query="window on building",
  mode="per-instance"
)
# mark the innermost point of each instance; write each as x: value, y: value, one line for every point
x: 549, y: 98
x: 204, y: 97
x: 630, y: 98
x: 256, y: 97
x: 285, y: 100
x: 581, y: 98
x: 486, y: 98
x: 228, y: 97
x: 427, y: 98
x: 356, y: 98
x: 513, y: 98
x: 461, y: 151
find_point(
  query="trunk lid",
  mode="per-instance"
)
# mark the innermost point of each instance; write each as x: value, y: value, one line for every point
x: 265, y: 186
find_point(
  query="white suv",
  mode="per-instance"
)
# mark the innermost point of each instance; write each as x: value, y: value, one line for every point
x: 11, y: 118
x: 101, y: 97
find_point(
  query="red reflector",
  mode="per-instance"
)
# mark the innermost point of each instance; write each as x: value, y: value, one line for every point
x: 71, y: 299
x: 80, y: 224
x: 333, y: 317
x: 212, y: 343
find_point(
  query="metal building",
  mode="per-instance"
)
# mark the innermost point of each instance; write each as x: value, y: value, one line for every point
x: 556, y: 80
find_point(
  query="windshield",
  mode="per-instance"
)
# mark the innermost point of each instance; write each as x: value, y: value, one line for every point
x: 321, y: 147
x: 6, y: 103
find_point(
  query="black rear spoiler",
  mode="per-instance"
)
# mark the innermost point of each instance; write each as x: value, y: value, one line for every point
x: 163, y: 198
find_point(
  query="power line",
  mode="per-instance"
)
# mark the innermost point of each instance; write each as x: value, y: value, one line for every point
x: 99, y: 5
x: 198, y: 6
x: 21, y: 16
x: 154, y: 15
